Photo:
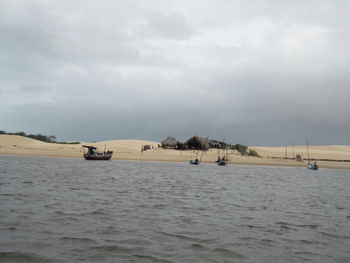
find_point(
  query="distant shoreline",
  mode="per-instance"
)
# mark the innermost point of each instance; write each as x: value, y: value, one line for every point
x: 260, y: 162
x: 334, y: 157
x: 316, y: 160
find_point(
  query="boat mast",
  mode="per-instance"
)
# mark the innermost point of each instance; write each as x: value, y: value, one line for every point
x: 223, y: 149
x: 200, y: 160
x: 285, y: 153
x: 307, y: 148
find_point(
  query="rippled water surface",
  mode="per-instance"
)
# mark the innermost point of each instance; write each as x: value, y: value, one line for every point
x: 72, y: 210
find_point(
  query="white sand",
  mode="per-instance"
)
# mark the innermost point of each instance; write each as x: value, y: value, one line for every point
x: 131, y: 150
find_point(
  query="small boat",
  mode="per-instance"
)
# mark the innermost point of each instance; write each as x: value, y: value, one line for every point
x: 222, y: 161
x: 195, y: 162
x: 310, y: 166
x: 93, y: 154
x: 313, y: 166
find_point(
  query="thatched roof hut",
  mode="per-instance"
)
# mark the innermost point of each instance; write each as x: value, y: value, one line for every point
x: 198, y: 143
x: 169, y: 143
x: 217, y: 144
x: 193, y: 143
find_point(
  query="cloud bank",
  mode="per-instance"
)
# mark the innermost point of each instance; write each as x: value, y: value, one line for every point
x: 256, y: 72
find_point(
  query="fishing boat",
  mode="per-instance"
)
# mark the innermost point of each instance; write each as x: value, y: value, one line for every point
x: 93, y: 154
x: 310, y: 166
x: 224, y: 160
x: 313, y: 166
x: 196, y: 161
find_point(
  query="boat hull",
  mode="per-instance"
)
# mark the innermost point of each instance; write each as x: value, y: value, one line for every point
x: 222, y: 163
x: 194, y: 162
x: 312, y: 167
x: 103, y: 157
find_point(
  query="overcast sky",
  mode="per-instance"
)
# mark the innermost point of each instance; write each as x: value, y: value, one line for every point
x: 256, y: 72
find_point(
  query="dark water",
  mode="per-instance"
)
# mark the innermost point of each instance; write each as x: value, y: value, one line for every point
x: 72, y: 210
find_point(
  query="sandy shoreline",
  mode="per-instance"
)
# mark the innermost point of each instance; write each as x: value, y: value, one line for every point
x: 131, y: 150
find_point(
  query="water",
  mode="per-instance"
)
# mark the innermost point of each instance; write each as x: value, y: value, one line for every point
x: 72, y: 210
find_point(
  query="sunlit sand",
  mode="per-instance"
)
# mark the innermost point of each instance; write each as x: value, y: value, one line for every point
x: 131, y: 150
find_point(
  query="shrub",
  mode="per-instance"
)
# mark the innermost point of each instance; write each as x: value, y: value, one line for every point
x: 254, y: 153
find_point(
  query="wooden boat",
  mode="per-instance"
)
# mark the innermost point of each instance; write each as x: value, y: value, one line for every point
x: 93, y: 154
x: 310, y: 166
x: 313, y: 166
x: 195, y: 162
x: 222, y: 161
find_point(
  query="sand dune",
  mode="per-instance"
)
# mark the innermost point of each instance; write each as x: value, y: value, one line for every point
x: 334, y: 152
x: 15, y: 140
x: 19, y: 145
x: 131, y: 150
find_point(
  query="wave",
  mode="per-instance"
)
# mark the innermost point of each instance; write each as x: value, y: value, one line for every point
x: 7, y: 194
x: 229, y: 253
x: 79, y: 240
x: 178, y: 236
x: 27, y: 182
x: 99, y: 212
x: 265, y: 241
x: 152, y: 258
x: 291, y: 226
x: 133, y: 241
x: 111, y: 248
x: 335, y: 235
x: 311, y: 226
x: 253, y: 226
x: 17, y: 256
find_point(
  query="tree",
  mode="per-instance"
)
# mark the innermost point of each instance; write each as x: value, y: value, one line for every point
x: 21, y: 133
x: 252, y: 152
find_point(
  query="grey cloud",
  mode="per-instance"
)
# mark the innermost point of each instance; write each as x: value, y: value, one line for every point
x: 169, y: 26
x: 257, y: 72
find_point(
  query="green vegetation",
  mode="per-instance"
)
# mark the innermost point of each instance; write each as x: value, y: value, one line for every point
x: 203, y: 144
x: 254, y: 153
x: 243, y: 150
x: 40, y: 137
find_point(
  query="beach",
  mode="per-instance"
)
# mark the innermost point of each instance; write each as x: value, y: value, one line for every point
x: 333, y: 156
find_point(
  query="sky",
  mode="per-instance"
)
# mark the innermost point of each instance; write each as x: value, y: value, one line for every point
x: 257, y: 72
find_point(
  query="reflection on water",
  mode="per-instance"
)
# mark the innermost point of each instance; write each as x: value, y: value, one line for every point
x: 74, y: 210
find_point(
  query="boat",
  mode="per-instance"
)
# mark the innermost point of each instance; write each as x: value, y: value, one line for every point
x: 224, y: 160
x: 313, y: 166
x: 93, y: 154
x: 196, y: 161
x: 310, y: 166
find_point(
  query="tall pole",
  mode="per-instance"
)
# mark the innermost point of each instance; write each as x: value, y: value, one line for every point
x: 285, y: 153
x: 200, y: 160
x: 293, y: 150
x: 307, y: 148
